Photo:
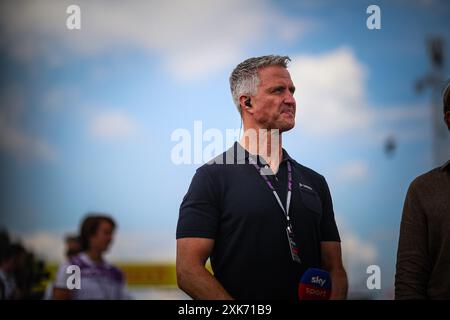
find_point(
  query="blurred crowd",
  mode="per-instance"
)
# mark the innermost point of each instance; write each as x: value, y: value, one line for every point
x: 84, y: 274
x: 22, y: 274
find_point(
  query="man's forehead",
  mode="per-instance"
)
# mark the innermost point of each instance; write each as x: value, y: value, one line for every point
x: 273, y: 73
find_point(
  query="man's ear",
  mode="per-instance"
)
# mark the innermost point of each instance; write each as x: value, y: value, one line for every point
x: 245, y: 103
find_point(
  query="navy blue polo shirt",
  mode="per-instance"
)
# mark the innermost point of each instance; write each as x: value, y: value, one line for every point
x: 230, y: 202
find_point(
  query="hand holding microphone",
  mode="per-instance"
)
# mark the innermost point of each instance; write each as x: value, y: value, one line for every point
x: 315, y: 284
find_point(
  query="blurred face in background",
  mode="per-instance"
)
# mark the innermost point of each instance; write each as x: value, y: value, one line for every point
x: 73, y: 247
x: 102, y: 239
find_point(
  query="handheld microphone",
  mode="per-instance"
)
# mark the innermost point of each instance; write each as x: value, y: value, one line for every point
x: 315, y: 284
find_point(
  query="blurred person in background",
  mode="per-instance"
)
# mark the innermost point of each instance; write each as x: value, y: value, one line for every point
x: 423, y: 256
x: 11, y: 261
x: 99, y: 279
x: 22, y: 274
x: 72, y: 248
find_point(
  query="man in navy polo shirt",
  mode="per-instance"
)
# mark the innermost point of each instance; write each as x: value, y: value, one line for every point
x: 260, y: 216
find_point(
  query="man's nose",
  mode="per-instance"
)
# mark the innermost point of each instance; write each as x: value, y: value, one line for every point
x: 289, y: 99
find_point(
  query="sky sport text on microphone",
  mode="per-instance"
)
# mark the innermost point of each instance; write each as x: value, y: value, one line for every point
x: 315, y: 284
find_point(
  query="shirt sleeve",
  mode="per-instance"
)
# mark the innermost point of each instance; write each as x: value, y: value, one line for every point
x: 62, y: 276
x: 199, y: 212
x: 413, y: 268
x: 124, y: 293
x: 328, y: 227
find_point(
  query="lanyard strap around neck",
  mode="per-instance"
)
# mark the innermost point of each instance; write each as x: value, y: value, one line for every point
x: 269, y: 184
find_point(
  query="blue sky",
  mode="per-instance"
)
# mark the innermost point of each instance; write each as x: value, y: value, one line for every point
x: 86, y: 116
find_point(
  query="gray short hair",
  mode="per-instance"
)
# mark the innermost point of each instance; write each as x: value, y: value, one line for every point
x: 244, y: 79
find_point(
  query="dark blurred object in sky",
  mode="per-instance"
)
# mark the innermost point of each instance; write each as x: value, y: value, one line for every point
x: 435, y: 79
x: 390, y: 144
x: 435, y: 46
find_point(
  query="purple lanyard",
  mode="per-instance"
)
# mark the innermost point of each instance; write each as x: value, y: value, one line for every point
x: 269, y: 184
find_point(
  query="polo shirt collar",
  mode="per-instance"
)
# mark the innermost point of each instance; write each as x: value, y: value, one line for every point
x: 85, y: 258
x: 240, y: 154
x: 446, y: 166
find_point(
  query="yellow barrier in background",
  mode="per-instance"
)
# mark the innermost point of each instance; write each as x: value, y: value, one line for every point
x: 141, y: 274
x: 149, y: 274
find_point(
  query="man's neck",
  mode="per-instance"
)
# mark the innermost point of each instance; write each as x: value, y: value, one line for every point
x: 264, y: 143
x: 94, y: 255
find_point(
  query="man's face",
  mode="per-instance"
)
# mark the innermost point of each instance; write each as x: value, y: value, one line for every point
x: 274, y: 105
x: 103, y: 237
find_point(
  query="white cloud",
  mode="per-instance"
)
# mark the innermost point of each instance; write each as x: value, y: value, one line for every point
x: 22, y: 145
x: 14, y: 139
x: 194, y: 37
x: 330, y: 92
x: 354, y: 170
x: 113, y: 124
x: 46, y: 245
x: 332, y: 102
x: 357, y: 251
